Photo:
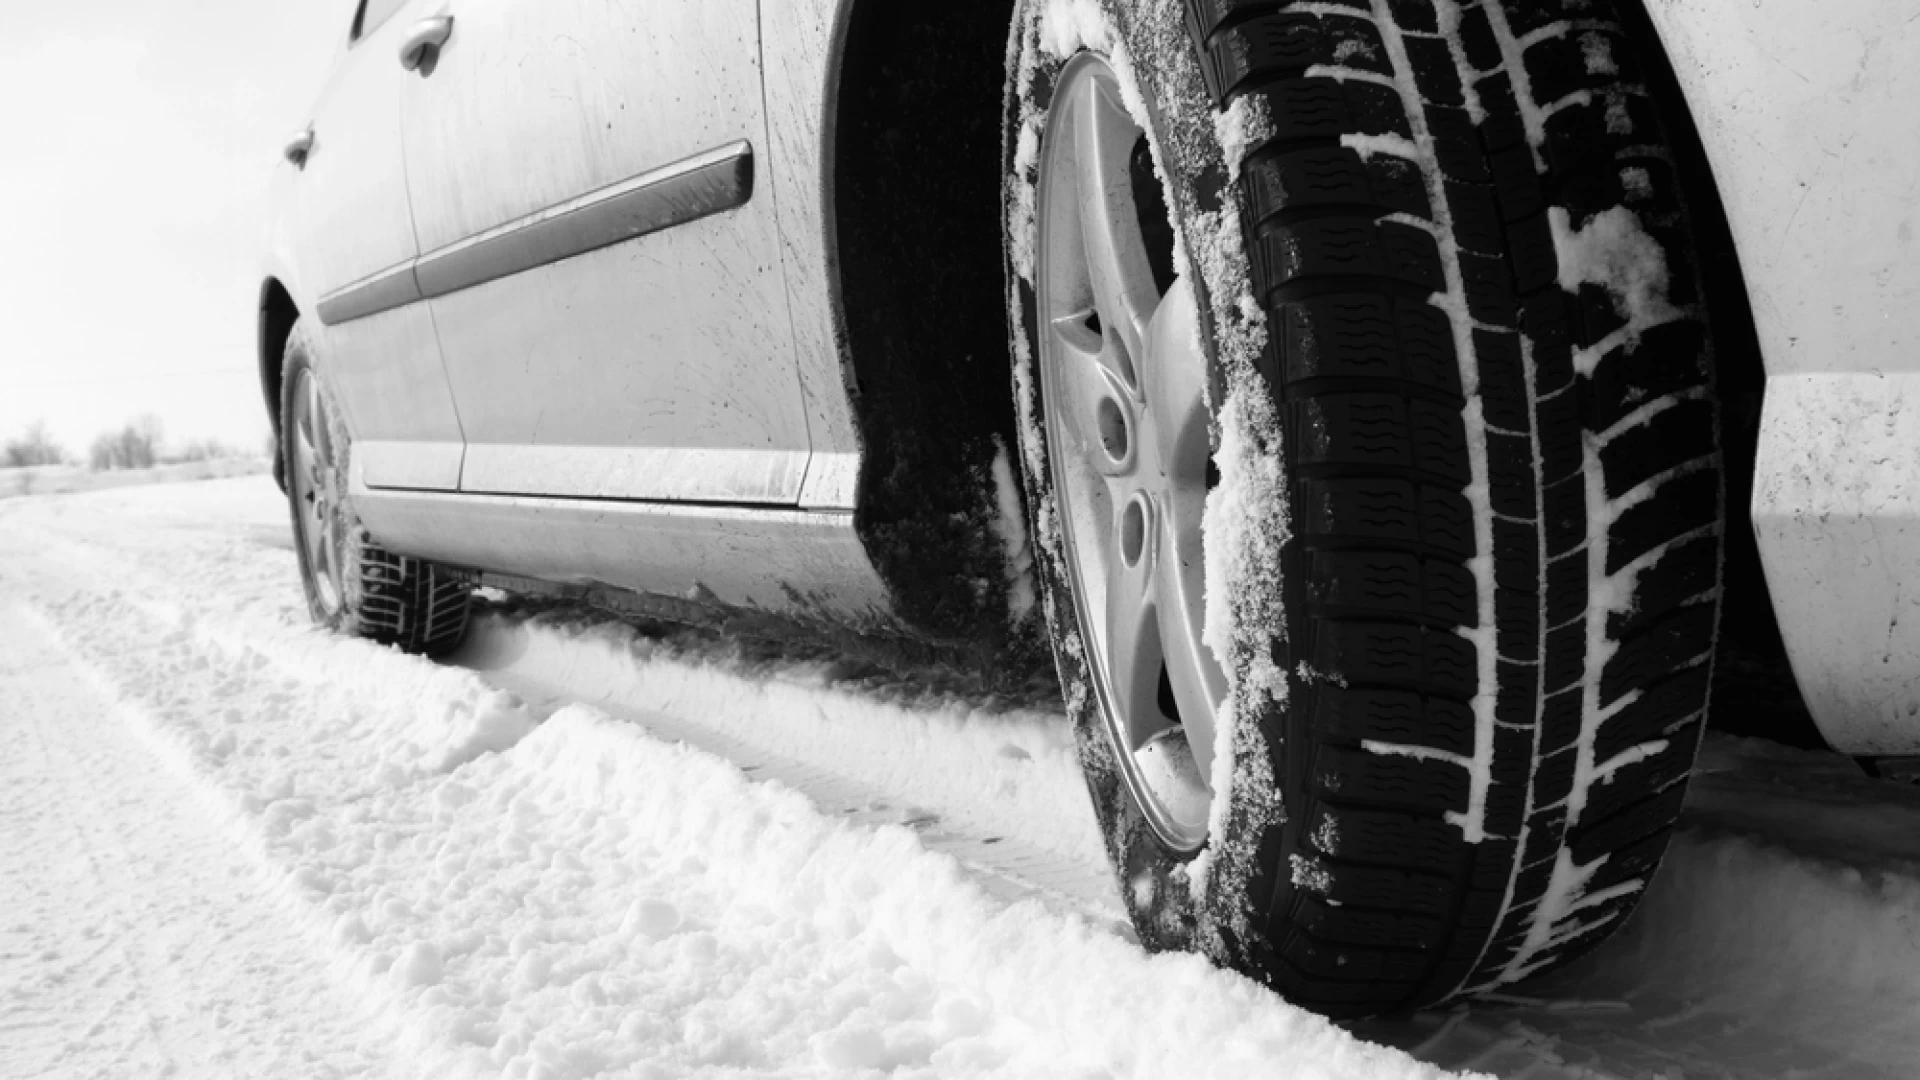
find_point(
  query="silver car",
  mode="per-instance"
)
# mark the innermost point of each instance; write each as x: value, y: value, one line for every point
x: 1362, y: 398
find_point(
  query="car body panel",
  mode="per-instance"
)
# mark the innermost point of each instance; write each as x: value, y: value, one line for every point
x: 349, y: 209
x: 800, y: 49
x: 803, y: 564
x: 1805, y: 113
x: 655, y: 368
x: 752, y: 391
x: 1837, y: 512
x: 386, y: 374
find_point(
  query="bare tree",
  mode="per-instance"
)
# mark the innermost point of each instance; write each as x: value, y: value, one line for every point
x: 134, y: 446
x: 203, y: 450
x: 36, y: 447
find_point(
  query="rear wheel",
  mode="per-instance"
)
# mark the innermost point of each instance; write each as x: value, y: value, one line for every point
x: 352, y: 584
x: 1376, y: 485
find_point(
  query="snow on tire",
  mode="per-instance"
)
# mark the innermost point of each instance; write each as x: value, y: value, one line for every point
x: 1463, y: 521
x: 352, y: 585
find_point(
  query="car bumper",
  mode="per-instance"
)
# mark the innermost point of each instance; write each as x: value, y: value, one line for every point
x: 1837, y: 513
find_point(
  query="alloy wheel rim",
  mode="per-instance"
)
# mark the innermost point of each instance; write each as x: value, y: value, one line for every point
x: 316, y: 491
x: 1123, y: 375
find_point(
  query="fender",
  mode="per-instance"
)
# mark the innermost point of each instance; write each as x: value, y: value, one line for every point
x: 1804, y: 112
x: 1796, y: 103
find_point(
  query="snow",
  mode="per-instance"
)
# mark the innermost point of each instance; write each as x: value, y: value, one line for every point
x: 1244, y: 526
x: 240, y: 847
x: 1597, y: 52
x: 135, y: 938
x: 485, y: 883
x: 1611, y: 249
x: 1245, y: 123
x: 1779, y: 940
x: 1638, y: 184
x: 57, y: 479
x: 1533, y: 116
x: 1388, y: 145
x: 1010, y: 525
x: 1447, y: 16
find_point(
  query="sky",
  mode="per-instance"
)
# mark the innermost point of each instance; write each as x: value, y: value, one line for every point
x: 137, y: 139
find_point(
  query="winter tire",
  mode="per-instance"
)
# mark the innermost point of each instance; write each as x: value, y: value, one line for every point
x: 352, y: 584
x: 1376, y: 486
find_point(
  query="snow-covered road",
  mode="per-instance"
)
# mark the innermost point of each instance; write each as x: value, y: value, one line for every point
x: 233, y: 846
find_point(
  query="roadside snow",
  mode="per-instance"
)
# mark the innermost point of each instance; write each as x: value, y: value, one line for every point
x: 505, y: 893
x: 354, y: 863
x: 135, y: 939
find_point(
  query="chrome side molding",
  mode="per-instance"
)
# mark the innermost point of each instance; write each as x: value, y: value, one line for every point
x: 390, y: 288
x: 687, y: 190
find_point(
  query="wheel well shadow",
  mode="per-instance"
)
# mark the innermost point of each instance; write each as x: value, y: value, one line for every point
x: 915, y: 162
x: 277, y: 316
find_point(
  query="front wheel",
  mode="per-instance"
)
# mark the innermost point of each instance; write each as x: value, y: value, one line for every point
x: 352, y: 585
x: 1370, y: 444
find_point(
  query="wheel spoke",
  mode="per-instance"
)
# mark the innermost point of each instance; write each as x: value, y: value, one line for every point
x: 304, y: 453
x: 1174, y: 380
x: 1133, y: 649
x: 1097, y: 399
x: 1179, y: 587
x: 317, y: 414
x: 1121, y: 275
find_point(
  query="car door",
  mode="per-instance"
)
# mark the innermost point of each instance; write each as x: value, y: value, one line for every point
x: 603, y: 275
x: 355, y: 246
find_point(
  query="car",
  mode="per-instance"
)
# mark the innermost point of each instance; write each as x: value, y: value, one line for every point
x: 1359, y: 400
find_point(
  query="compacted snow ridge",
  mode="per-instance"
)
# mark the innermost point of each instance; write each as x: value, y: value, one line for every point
x: 961, y: 773
x: 1479, y: 767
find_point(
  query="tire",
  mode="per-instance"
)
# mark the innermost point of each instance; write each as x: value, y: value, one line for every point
x: 1458, y: 513
x: 352, y: 585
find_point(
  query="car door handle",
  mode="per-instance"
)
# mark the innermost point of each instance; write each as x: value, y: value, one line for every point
x: 298, y: 148
x: 425, y: 38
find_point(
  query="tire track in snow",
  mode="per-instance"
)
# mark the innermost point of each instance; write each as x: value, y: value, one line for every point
x: 136, y: 940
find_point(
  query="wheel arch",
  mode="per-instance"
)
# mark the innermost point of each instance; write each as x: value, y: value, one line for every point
x: 277, y: 314
x: 911, y: 160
